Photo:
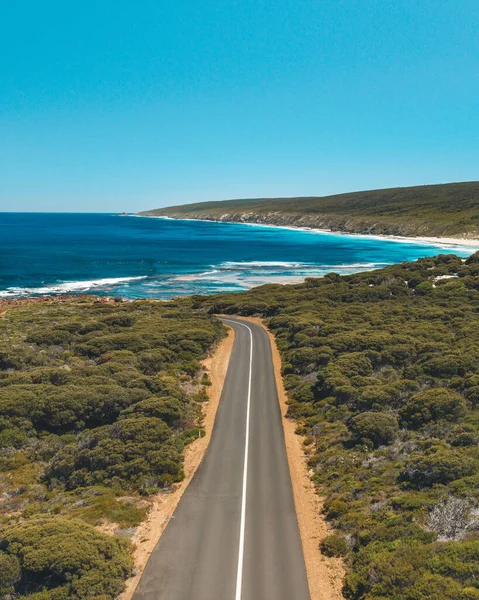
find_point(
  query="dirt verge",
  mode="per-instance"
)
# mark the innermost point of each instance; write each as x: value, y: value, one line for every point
x: 325, y: 575
x: 163, y: 505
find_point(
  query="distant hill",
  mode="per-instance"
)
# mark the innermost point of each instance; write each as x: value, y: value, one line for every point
x: 432, y: 210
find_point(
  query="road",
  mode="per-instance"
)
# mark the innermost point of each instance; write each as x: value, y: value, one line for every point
x: 234, y: 534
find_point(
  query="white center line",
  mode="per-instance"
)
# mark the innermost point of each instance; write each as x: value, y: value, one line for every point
x: 239, y: 572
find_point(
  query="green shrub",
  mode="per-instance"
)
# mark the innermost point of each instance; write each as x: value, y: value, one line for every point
x: 334, y: 545
x: 119, y: 320
x: 68, y: 557
x: 425, y: 288
x: 335, y: 509
x: 464, y: 435
x: 457, y: 560
x: 441, y: 467
x: 10, y: 573
x: 169, y: 410
x: 374, y: 428
x: 432, y: 405
x: 128, y: 452
x: 472, y: 394
x: 442, y: 366
x: 375, y: 396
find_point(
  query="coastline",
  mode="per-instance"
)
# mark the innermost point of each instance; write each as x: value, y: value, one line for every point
x: 427, y: 240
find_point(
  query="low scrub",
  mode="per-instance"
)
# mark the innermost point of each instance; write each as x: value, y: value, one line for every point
x: 53, y: 558
x: 97, y: 402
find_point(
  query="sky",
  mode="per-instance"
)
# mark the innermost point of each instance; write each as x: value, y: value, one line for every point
x: 114, y: 105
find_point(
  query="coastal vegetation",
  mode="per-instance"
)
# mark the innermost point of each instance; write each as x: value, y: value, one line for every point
x: 386, y: 364
x: 433, y: 210
x: 97, y: 402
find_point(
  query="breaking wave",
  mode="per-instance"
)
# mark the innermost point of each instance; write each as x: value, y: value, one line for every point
x: 263, y: 264
x: 68, y: 287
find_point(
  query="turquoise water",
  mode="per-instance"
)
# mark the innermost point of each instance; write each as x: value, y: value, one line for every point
x: 137, y: 257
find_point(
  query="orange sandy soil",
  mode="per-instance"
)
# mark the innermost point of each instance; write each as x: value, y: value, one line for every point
x: 163, y: 505
x: 325, y: 575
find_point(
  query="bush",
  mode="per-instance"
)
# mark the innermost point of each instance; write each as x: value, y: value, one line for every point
x: 472, y: 394
x: 9, y: 573
x: 425, y: 288
x: 119, y: 320
x: 66, y: 556
x: 432, y: 405
x: 374, y: 428
x: 303, y: 359
x: 129, y: 452
x: 439, y: 467
x: 354, y: 363
x: 376, y: 396
x: 401, y: 573
x: 457, y: 560
x: 334, y: 545
x: 463, y: 436
x: 442, y: 366
x: 170, y: 410
x: 335, y: 509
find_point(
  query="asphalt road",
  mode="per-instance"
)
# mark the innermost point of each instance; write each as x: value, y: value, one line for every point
x: 234, y: 534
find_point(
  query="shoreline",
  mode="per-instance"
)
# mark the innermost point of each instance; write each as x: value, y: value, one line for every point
x: 419, y: 240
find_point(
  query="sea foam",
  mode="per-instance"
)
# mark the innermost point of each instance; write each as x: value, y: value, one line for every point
x: 67, y: 287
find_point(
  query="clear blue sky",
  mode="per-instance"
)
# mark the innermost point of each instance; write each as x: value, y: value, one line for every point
x: 116, y: 105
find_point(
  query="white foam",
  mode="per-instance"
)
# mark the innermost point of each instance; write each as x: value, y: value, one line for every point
x: 236, y: 276
x: 195, y: 276
x: 67, y: 287
x: 297, y: 265
x: 264, y: 264
x: 368, y: 265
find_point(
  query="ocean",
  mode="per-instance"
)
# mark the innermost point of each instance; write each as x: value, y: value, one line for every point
x: 140, y: 257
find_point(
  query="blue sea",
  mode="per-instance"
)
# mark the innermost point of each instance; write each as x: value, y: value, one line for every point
x: 140, y: 257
